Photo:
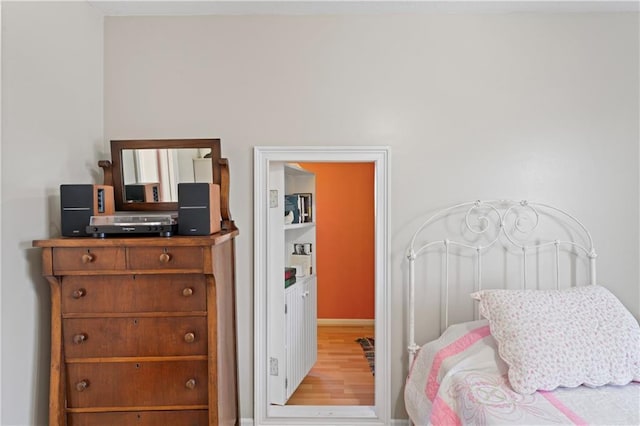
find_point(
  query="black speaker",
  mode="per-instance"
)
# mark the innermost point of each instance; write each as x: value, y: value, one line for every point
x: 142, y: 192
x: 79, y: 202
x: 198, y: 208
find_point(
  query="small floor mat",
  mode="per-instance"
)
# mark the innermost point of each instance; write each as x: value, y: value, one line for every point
x: 368, y: 347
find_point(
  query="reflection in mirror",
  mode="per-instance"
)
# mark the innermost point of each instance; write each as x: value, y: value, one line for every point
x: 152, y: 175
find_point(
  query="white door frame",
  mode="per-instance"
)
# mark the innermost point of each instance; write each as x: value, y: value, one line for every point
x: 264, y: 413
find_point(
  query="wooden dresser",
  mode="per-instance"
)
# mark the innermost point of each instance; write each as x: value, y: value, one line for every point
x: 142, y: 330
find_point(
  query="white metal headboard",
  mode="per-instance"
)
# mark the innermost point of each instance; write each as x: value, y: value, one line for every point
x: 514, y: 213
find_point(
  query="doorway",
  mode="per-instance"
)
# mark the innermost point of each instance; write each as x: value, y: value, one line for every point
x: 265, y: 413
x: 343, y: 373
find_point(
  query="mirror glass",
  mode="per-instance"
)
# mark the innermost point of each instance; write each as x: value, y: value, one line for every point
x: 152, y: 175
x: 146, y: 173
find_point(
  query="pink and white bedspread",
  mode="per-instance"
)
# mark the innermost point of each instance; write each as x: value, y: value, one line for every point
x: 460, y: 379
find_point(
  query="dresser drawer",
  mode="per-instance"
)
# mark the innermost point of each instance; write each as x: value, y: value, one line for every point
x: 121, y: 337
x: 134, y: 293
x: 68, y: 259
x: 165, y: 258
x: 136, y: 384
x: 141, y: 418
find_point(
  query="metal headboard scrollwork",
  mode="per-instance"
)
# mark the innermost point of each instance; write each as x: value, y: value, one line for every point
x: 523, y: 218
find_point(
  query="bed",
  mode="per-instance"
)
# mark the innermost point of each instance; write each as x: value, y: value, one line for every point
x: 550, y: 346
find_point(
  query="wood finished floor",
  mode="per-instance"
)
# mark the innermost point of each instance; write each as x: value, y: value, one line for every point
x: 341, y: 375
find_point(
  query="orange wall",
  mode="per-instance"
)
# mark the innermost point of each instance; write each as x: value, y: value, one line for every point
x: 344, y: 239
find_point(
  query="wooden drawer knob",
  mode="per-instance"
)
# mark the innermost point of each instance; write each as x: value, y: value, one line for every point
x: 82, y: 385
x: 191, y: 384
x: 88, y: 258
x: 79, y: 338
x: 165, y: 257
x: 77, y: 294
x: 189, y: 337
x: 187, y: 291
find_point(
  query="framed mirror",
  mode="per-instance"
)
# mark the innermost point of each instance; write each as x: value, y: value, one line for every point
x: 146, y: 173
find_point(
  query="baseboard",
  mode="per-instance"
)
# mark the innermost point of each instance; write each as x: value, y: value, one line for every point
x: 345, y: 322
x: 246, y: 422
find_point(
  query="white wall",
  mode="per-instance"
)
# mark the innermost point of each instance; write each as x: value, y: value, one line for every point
x: 543, y: 107
x: 52, y: 74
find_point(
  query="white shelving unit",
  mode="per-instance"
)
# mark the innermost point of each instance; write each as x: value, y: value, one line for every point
x: 292, y: 312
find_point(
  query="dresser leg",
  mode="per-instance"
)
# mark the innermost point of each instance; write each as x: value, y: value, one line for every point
x: 56, y: 380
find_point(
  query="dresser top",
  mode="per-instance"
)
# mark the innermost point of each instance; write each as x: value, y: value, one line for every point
x: 174, y: 241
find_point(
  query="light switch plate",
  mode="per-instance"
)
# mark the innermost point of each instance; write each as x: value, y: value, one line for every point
x: 273, y: 198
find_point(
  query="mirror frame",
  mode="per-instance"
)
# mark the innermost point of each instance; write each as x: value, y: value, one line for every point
x: 117, y: 146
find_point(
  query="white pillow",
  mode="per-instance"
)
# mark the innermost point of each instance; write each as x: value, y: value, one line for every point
x: 551, y: 338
